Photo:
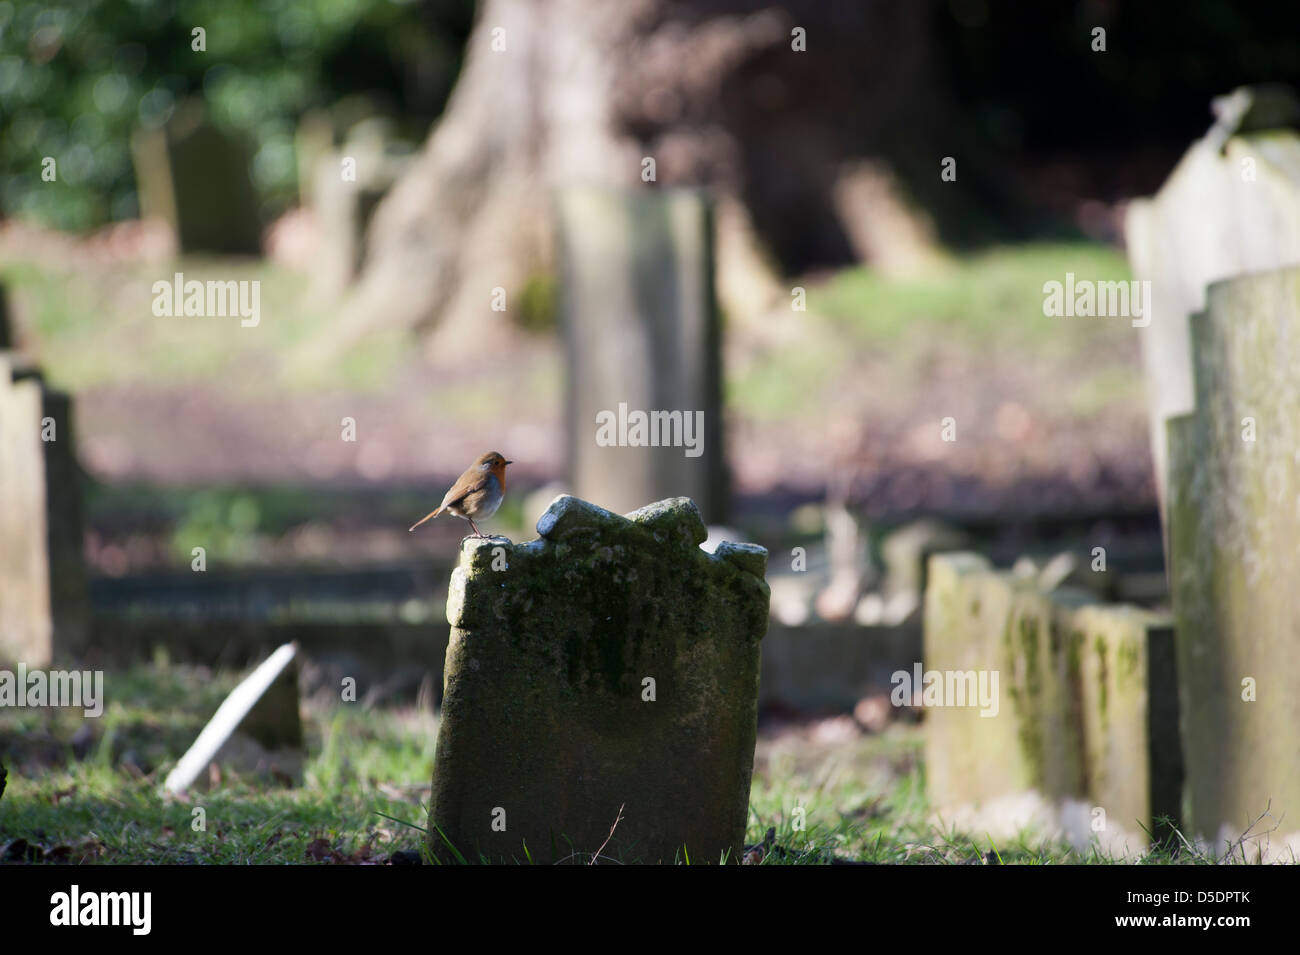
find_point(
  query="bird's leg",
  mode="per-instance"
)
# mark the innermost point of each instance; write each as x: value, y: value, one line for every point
x: 477, y: 532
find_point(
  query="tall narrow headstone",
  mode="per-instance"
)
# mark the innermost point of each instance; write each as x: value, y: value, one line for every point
x: 601, y: 692
x: 641, y: 330
x: 197, y: 177
x: 44, y: 609
x: 1234, y: 522
x: 1231, y: 206
x: 348, y: 184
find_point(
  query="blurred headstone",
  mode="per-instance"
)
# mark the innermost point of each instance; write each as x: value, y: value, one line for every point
x: 44, y: 609
x: 347, y: 186
x: 197, y: 178
x: 1234, y: 520
x: 6, y: 332
x: 606, y: 672
x: 846, y: 546
x: 322, y: 130
x: 256, y: 730
x: 1081, y: 738
x: 1231, y: 206
x: 906, y: 552
x: 644, y: 400
x: 313, y: 140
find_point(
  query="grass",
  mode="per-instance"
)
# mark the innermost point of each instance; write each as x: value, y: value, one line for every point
x: 993, y: 296
x: 78, y: 316
x: 100, y: 801
x: 982, y: 312
x: 95, y: 796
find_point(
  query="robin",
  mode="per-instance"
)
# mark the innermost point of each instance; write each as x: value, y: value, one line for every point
x: 476, y: 493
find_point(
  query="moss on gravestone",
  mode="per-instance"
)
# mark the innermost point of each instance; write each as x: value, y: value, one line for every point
x: 608, y: 670
x: 1091, y: 710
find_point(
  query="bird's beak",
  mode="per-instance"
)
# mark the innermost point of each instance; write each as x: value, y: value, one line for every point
x: 510, y: 462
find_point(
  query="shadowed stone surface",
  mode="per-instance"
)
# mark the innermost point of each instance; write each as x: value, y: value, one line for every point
x: 831, y: 666
x: 197, y: 178
x: 544, y: 721
x: 1234, y: 523
x: 6, y: 333
x: 1087, y: 709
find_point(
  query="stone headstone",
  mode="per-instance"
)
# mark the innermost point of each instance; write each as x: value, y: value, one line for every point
x: 314, y: 138
x: 44, y: 609
x: 1234, y: 520
x: 607, y: 671
x: 1086, y: 716
x: 196, y: 177
x: 343, y: 204
x: 257, y: 729
x: 6, y: 329
x: 642, y: 336
x: 1231, y: 206
x: 322, y: 130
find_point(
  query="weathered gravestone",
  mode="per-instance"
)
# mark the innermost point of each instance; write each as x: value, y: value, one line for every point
x: 1234, y: 524
x: 196, y: 177
x: 1231, y: 206
x: 44, y: 610
x: 644, y: 400
x: 608, y: 671
x: 1084, y: 716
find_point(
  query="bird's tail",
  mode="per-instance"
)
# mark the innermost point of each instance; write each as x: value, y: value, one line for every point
x: 426, y: 517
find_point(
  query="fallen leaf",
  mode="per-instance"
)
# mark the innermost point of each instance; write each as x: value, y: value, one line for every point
x: 320, y: 850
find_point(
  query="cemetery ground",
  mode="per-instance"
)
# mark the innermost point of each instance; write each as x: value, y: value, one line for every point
x: 89, y: 791
x: 200, y: 430
x: 200, y: 425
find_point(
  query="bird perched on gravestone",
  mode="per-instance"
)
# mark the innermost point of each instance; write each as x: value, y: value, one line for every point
x: 476, y: 493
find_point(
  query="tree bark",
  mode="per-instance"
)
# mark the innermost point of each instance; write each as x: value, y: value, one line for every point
x: 567, y: 92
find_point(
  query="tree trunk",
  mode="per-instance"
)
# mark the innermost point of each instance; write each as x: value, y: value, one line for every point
x: 567, y: 92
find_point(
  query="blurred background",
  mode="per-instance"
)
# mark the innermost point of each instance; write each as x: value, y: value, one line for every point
x: 924, y: 296
x: 390, y: 173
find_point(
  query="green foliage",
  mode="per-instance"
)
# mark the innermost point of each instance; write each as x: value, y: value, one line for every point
x: 226, y: 524
x: 76, y: 78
